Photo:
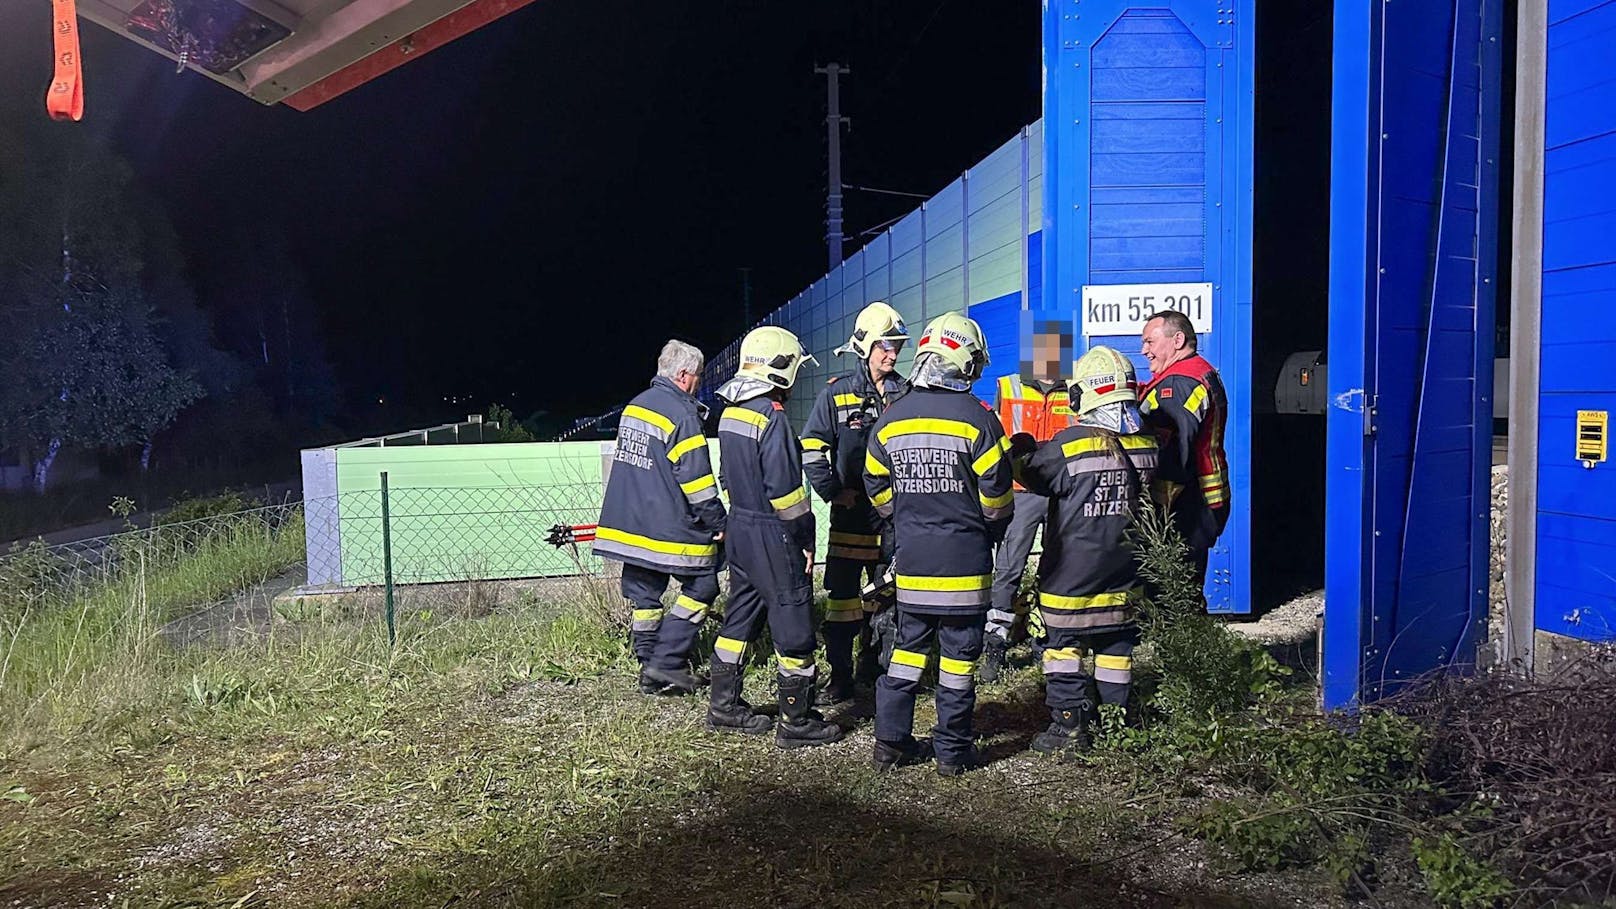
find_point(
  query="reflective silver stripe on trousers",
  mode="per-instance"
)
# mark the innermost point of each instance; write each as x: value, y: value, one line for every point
x: 955, y: 680
x: 811, y: 457
x: 654, y: 557
x: 994, y: 514
x: 740, y: 428
x: 681, y: 611
x: 1063, y: 667
x: 884, y: 510
x: 907, y: 673
x: 647, y: 624
x: 942, y: 597
x: 702, y: 495
x: 794, y: 511
x: 805, y: 672
x: 1119, y: 676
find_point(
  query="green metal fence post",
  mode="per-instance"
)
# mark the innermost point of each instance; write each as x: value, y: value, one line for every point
x: 387, y: 560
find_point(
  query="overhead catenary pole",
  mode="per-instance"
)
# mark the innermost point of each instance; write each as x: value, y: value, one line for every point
x: 833, y: 172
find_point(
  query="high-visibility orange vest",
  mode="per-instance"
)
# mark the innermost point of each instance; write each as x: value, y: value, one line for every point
x: 1037, y: 407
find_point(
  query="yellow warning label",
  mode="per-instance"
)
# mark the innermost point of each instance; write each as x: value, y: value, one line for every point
x: 1593, y: 436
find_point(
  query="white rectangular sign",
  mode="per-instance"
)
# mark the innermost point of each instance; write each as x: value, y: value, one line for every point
x: 1123, y: 309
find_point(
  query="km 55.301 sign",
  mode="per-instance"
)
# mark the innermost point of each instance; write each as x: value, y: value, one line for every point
x: 1123, y: 309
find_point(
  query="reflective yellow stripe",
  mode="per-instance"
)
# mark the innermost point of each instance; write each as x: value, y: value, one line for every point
x: 649, y: 416
x: 811, y: 444
x: 882, y: 497
x: 730, y: 645
x: 1095, y: 601
x: 1196, y: 402
x: 848, y: 400
x: 991, y: 457
x: 789, y: 499
x: 998, y: 501
x: 1053, y: 654
x: 634, y: 539
x: 958, y: 667
x: 874, y: 467
x: 647, y: 615
x: 1150, y: 401
x: 690, y: 604
x: 1106, y: 661
x: 746, y: 416
x: 698, y: 484
x: 929, y: 425
x: 1096, y: 443
x: 787, y: 662
x: 909, y: 658
x: 686, y: 447
x: 961, y: 582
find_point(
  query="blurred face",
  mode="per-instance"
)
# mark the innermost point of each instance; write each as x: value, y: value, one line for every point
x: 1046, y: 356
x: 884, y: 358
x: 1161, y: 347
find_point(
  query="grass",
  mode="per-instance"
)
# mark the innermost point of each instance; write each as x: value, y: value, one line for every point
x: 497, y: 756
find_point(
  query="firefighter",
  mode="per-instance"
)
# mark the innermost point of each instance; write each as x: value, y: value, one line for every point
x: 1095, y: 474
x: 1185, y: 404
x: 771, y: 545
x: 662, y: 519
x: 1036, y: 408
x: 833, y: 447
x: 939, y: 473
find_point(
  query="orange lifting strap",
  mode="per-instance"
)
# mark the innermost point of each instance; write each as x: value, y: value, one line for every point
x: 65, y: 100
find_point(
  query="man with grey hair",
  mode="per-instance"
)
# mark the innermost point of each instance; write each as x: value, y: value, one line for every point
x: 662, y: 519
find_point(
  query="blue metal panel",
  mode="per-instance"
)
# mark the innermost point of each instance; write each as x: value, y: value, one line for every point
x: 1148, y: 120
x: 1000, y: 320
x: 1575, y: 574
x: 1413, y: 245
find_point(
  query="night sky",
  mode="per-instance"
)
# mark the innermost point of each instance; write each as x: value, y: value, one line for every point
x: 525, y: 214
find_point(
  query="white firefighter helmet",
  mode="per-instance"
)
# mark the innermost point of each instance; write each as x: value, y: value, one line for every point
x: 959, y: 341
x: 1102, y: 376
x: 875, y: 322
x: 774, y: 355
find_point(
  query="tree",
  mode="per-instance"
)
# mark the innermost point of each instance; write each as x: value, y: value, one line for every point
x: 88, y: 371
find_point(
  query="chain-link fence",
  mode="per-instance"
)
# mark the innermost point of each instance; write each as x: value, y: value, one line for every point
x: 372, y: 551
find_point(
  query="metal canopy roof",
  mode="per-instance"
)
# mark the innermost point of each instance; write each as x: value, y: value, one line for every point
x: 298, y: 52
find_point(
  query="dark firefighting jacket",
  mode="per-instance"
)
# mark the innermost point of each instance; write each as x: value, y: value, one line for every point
x: 662, y: 508
x: 1186, y: 406
x: 761, y: 466
x: 1088, y: 567
x: 939, y: 468
x: 833, y: 446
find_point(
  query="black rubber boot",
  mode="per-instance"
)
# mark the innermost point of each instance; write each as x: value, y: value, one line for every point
x: 800, y: 724
x: 669, y: 682
x: 994, y: 654
x: 969, y: 761
x: 1070, y: 733
x: 726, y: 712
x: 888, y: 755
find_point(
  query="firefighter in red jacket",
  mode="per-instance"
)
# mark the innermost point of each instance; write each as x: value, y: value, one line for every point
x: 1185, y: 404
x: 1095, y: 473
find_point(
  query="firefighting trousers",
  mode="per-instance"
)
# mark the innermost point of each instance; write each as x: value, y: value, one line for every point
x: 768, y: 579
x: 960, y: 640
x: 666, y: 642
x: 845, y: 618
x: 1010, y: 563
x: 1067, y: 683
